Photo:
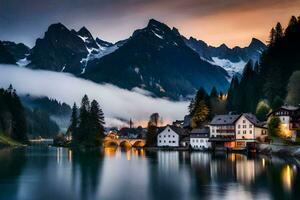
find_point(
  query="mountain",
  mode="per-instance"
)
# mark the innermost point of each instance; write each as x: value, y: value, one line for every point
x: 59, y: 50
x: 5, y: 56
x: 66, y: 50
x: 233, y: 60
x: 18, y: 50
x: 157, y: 59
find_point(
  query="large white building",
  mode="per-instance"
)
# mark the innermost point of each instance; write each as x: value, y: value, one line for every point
x: 236, y: 131
x: 199, y: 139
x: 249, y: 130
x: 170, y: 136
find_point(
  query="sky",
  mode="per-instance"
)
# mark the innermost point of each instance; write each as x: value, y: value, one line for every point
x: 233, y: 22
x: 119, y: 105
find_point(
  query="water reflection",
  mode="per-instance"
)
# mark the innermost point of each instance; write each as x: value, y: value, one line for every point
x: 56, y: 173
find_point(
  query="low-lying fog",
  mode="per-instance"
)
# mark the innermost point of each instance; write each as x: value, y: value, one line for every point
x: 116, y: 103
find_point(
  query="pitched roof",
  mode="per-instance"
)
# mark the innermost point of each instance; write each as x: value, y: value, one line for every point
x: 199, y: 133
x: 291, y: 108
x: 179, y: 131
x: 224, y: 119
x: 252, y: 118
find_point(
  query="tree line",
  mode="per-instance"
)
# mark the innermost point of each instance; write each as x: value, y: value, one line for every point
x: 275, y: 79
x: 87, y: 124
x: 12, y: 115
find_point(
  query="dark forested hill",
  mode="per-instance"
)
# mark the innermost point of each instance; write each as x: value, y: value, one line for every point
x: 269, y: 79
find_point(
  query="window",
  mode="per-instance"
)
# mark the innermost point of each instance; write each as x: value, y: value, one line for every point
x: 168, y: 130
x: 159, y: 141
x: 250, y: 126
x: 164, y: 136
x: 173, y: 141
x: 239, y: 132
x: 173, y: 136
x: 164, y: 141
x: 159, y: 136
x: 250, y: 132
x: 169, y: 135
x: 239, y: 126
x: 244, y: 132
x: 244, y: 126
x: 169, y: 141
x: 244, y: 121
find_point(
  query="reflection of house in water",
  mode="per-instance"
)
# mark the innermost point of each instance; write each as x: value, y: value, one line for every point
x: 247, y: 169
x: 222, y: 167
x: 168, y: 161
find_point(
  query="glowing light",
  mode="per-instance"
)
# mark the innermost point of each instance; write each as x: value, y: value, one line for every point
x: 70, y: 155
x: 287, y: 177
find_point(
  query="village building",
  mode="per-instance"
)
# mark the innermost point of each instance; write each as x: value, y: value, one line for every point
x: 199, y: 139
x: 222, y: 131
x: 171, y: 136
x: 249, y: 130
x: 236, y: 131
x: 290, y: 120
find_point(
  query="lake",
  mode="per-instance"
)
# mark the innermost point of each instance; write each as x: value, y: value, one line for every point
x: 49, y: 173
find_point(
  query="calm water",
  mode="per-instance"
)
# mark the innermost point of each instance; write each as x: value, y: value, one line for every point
x: 49, y: 173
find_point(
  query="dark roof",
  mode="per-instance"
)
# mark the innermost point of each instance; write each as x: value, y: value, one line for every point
x: 286, y: 107
x: 176, y: 129
x: 291, y: 108
x: 200, y: 133
x: 224, y: 119
x: 252, y: 118
x: 179, y: 131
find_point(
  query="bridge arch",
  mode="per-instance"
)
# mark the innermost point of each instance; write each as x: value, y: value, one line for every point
x: 139, y: 143
x: 125, y: 144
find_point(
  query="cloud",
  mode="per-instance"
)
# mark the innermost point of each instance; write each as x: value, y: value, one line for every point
x: 118, y: 104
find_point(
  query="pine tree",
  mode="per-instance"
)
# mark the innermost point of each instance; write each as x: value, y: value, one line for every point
x: 151, y: 137
x: 278, y: 32
x: 97, y: 121
x: 272, y: 36
x: 84, y: 127
x: 74, y: 121
x: 191, y: 106
x: 214, y: 93
x: 201, y: 114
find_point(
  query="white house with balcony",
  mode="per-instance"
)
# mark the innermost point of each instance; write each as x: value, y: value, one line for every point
x: 170, y: 136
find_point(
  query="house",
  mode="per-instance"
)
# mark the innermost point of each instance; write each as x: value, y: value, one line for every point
x: 199, y: 139
x: 249, y: 130
x: 236, y: 131
x: 171, y: 136
x: 290, y: 119
x: 222, y: 131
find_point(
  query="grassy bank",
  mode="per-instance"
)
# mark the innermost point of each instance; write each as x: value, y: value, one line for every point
x: 6, y: 141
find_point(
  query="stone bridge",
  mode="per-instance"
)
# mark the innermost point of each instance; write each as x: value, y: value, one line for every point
x: 123, y: 142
